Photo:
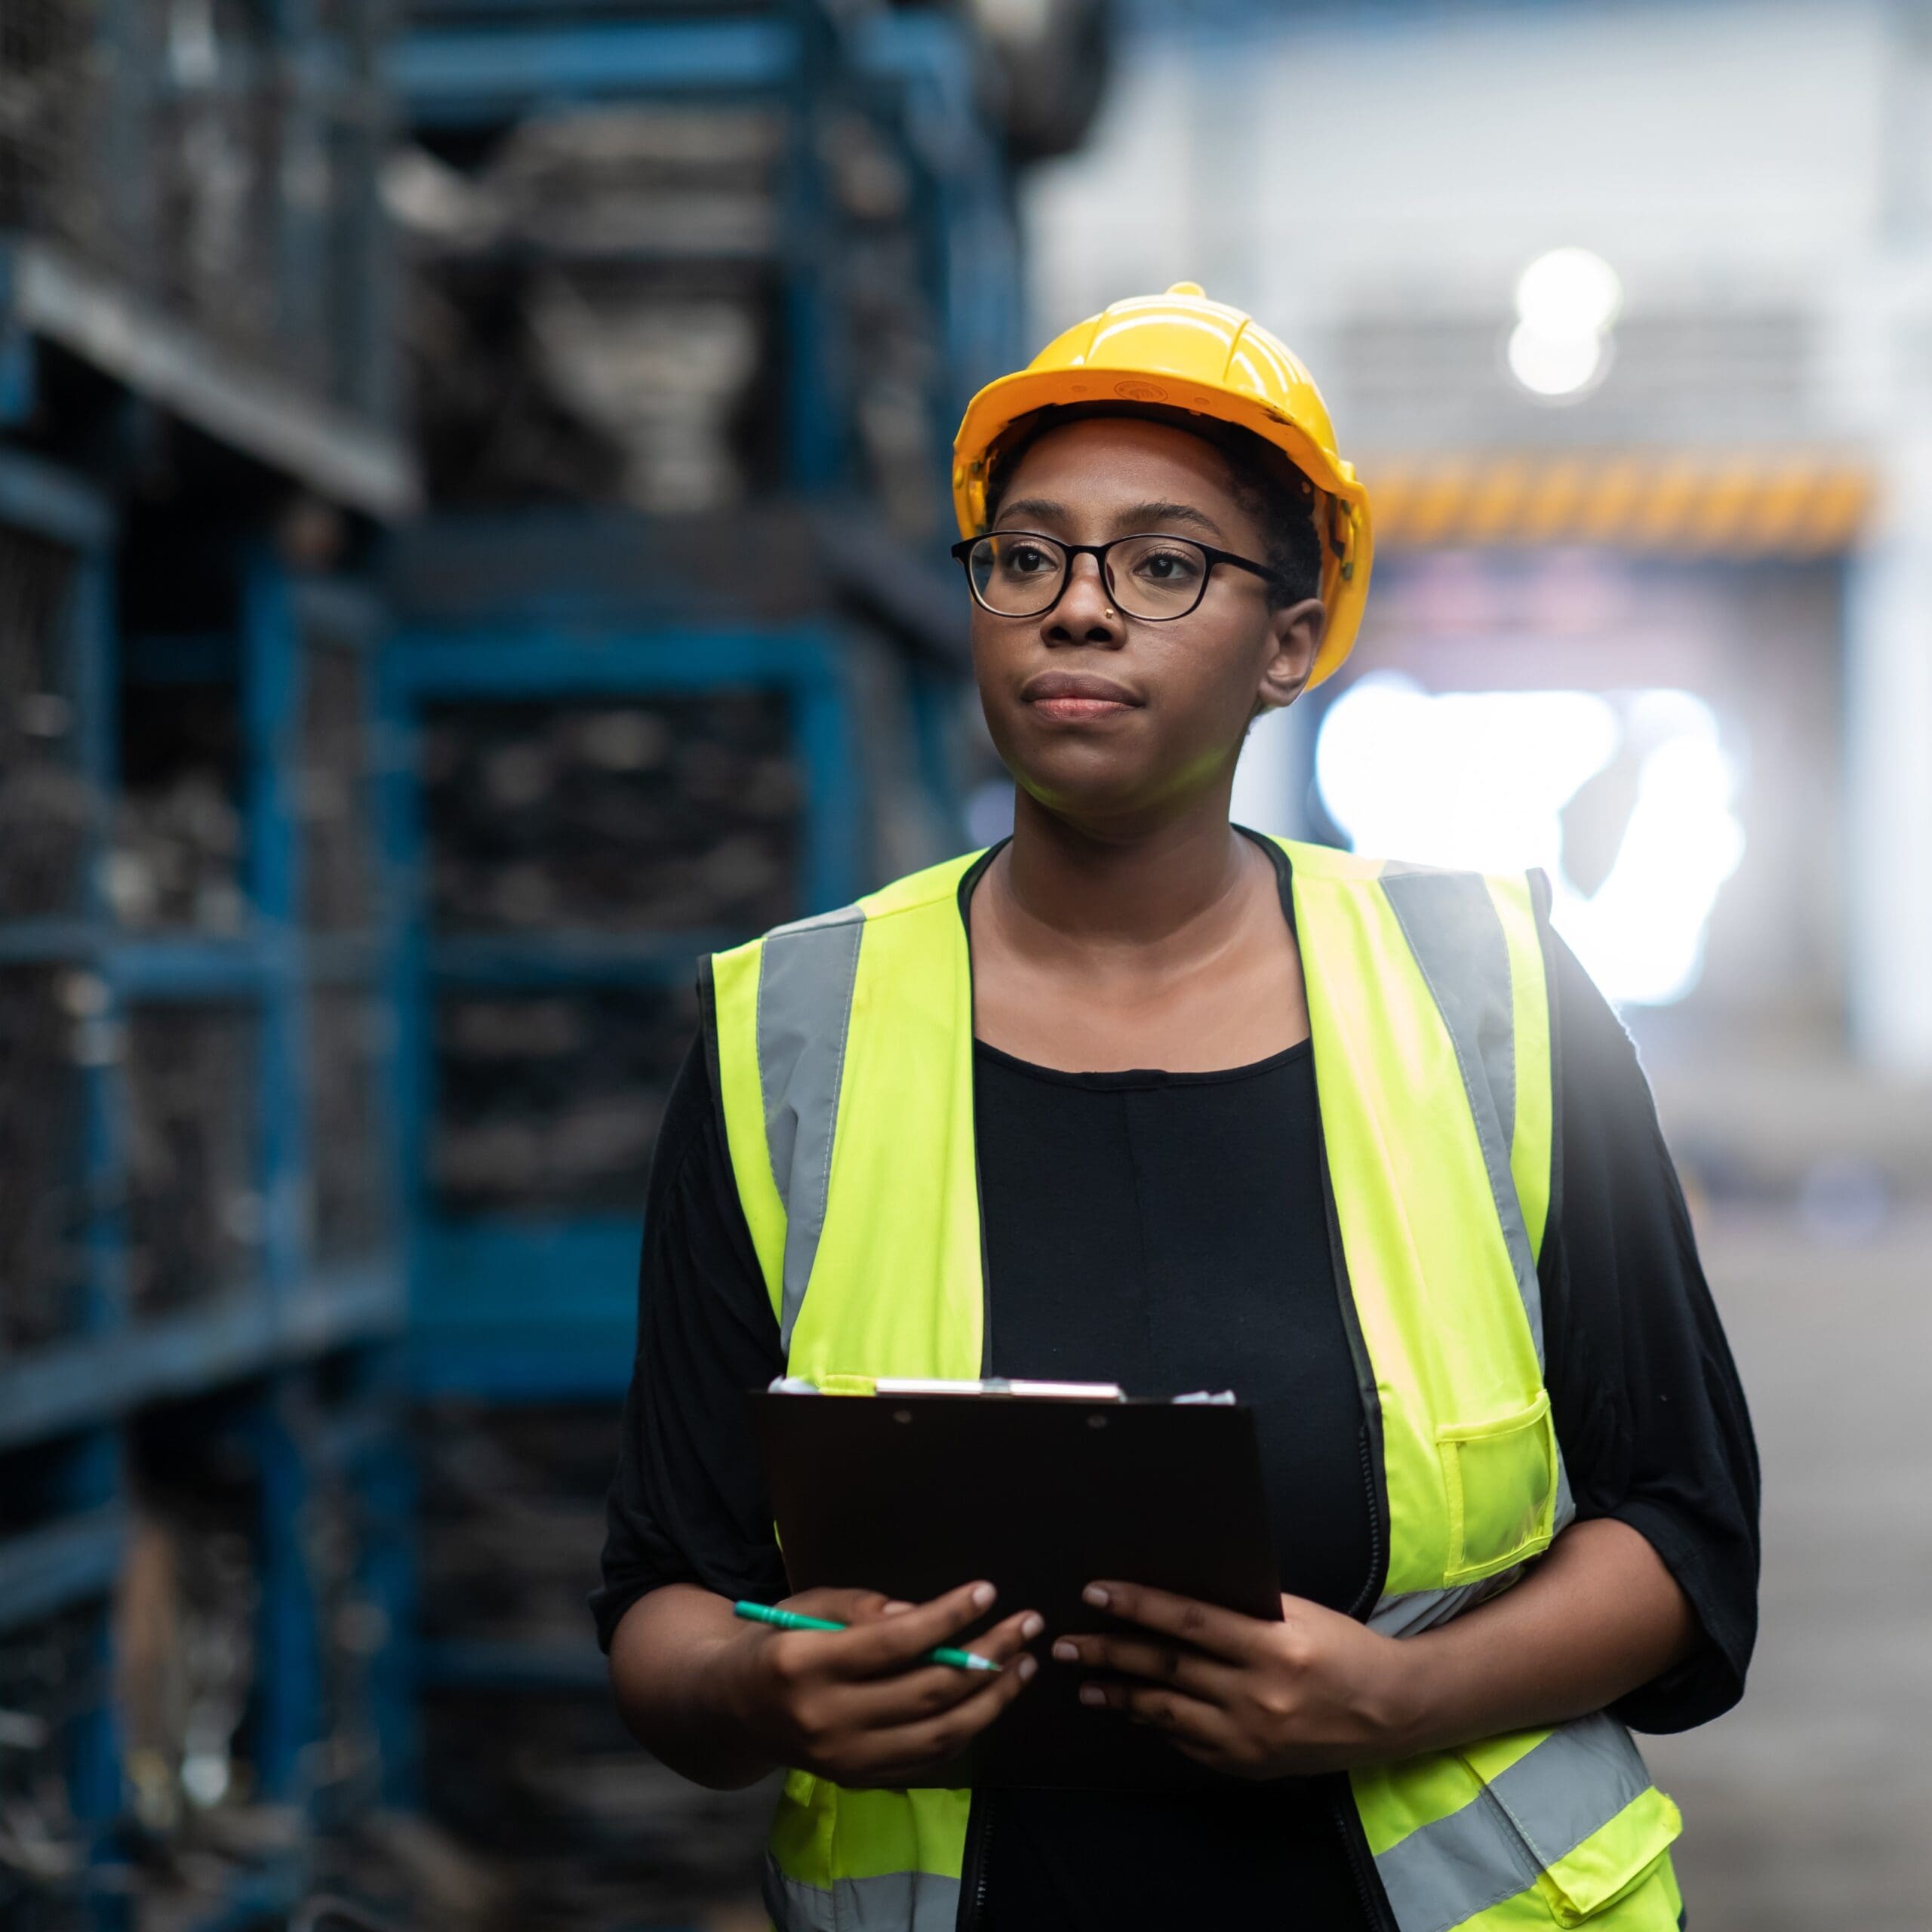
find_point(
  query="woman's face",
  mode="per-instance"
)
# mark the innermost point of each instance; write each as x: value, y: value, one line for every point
x: 1103, y: 718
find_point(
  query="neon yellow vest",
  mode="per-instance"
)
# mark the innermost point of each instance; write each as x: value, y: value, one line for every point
x: 844, y: 1059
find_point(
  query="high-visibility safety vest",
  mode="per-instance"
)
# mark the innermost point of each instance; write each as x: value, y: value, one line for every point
x: 844, y: 1068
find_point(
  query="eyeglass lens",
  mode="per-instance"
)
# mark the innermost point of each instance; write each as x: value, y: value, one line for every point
x: 1147, y: 576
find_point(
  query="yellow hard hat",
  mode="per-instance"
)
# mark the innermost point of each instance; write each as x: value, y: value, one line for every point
x: 1183, y: 350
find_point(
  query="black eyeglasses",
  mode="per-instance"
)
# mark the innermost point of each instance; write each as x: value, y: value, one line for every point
x: 1021, y: 574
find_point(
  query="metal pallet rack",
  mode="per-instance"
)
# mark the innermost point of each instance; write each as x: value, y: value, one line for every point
x: 568, y: 605
x: 523, y: 1243
x: 189, y: 1262
x: 882, y: 151
x: 121, y: 1309
x: 812, y: 626
x: 531, y: 1305
x: 189, y: 204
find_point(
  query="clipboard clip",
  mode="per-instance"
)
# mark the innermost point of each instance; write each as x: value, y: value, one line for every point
x: 996, y: 1384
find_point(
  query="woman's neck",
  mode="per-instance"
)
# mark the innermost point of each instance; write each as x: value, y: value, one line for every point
x: 1169, y: 950
x: 1073, y: 887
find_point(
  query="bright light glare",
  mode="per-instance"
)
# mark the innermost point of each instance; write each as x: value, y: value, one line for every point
x: 1554, y: 365
x: 1569, y: 294
x: 1478, y: 780
x: 1566, y: 301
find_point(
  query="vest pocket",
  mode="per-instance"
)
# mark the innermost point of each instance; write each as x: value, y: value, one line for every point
x: 1499, y: 1480
x: 1616, y: 1866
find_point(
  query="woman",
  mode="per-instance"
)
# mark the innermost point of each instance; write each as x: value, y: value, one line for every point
x: 1139, y: 1097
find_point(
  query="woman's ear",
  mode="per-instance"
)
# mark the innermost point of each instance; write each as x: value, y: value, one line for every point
x: 1296, y: 631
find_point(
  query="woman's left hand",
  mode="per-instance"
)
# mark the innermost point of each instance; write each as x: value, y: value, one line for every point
x: 1316, y: 1692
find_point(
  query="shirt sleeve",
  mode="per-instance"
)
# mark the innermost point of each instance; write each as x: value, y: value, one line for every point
x: 1646, y: 1398
x: 688, y: 1502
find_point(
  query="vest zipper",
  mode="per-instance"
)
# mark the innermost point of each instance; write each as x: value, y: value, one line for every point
x: 968, y: 881
x: 1374, y: 1478
x: 1376, y: 1910
x: 1355, y: 1841
x: 973, y: 1864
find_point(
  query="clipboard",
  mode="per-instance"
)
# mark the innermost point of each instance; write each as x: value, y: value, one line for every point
x: 914, y: 1494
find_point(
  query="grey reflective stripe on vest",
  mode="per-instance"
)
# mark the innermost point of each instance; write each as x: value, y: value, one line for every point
x: 895, y: 1902
x: 1455, y: 935
x: 1538, y: 1811
x: 1408, y: 1612
x: 806, y: 972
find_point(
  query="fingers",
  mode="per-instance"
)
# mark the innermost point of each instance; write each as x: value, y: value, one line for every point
x: 1160, y: 1663
x: 1223, y: 1633
x: 886, y: 1645
x: 893, y: 1754
x: 837, y: 1606
x: 927, y: 1690
x: 1194, y: 1725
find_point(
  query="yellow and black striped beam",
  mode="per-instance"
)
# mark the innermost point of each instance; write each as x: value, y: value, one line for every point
x: 1733, y: 505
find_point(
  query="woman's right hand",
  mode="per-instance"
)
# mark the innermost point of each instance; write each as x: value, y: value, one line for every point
x: 857, y: 1705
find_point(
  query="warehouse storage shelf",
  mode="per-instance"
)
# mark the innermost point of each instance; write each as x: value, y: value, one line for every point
x: 559, y: 956
x: 51, y: 1391
x: 72, y: 1560
x: 534, y: 1305
x: 525, y: 1312
x: 594, y: 572
x: 137, y: 1344
x: 885, y: 218
x: 449, y: 76
x: 188, y: 204
x: 159, y: 967
x: 44, y: 295
x: 463, y: 1663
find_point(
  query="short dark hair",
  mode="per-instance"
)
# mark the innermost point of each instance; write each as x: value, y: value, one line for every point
x: 1265, y: 483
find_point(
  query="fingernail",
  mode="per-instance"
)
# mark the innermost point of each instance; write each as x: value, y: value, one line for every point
x: 1031, y: 1626
x: 1092, y: 1694
x: 983, y: 1594
x: 893, y: 1609
x: 1065, y: 1652
x: 1094, y: 1595
x: 1026, y: 1666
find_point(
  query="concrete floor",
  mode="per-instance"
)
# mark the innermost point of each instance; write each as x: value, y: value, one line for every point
x: 1810, y: 1805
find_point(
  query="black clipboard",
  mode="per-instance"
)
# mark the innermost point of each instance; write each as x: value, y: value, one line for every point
x: 914, y: 1494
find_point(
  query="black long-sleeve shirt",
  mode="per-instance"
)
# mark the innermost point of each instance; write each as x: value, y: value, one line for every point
x: 1166, y: 1231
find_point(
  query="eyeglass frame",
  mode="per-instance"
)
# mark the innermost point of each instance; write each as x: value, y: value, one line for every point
x: 964, y: 548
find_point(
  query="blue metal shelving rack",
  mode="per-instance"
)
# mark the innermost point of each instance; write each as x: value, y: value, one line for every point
x: 302, y: 1351
x: 475, y: 67
x: 523, y: 1309
x: 62, y: 1403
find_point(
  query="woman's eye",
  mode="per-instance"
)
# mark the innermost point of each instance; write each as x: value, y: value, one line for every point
x: 1027, y: 560
x: 1167, y: 566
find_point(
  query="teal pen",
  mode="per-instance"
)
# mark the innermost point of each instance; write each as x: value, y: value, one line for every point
x: 792, y: 1619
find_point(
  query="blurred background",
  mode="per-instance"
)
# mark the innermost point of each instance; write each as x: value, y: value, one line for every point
x: 472, y: 516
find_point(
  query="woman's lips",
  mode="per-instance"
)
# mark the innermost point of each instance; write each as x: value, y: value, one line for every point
x: 1075, y: 697
x: 1072, y: 708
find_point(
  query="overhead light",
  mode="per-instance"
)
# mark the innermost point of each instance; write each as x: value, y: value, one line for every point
x: 1555, y: 365
x: 1566, y: 300
x: 1569, y: 294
